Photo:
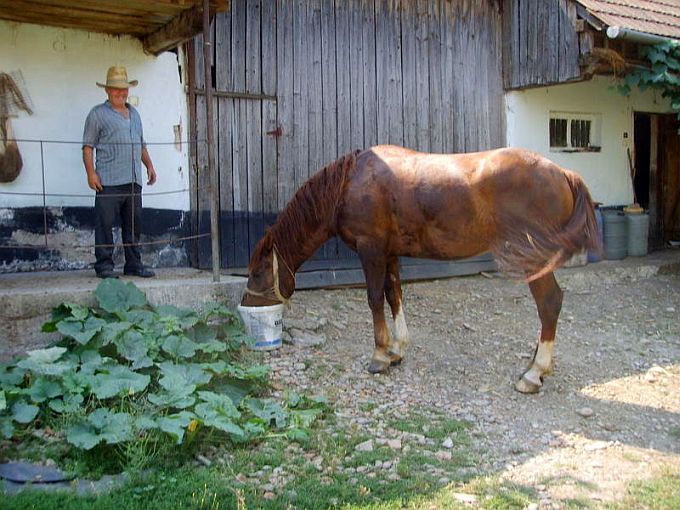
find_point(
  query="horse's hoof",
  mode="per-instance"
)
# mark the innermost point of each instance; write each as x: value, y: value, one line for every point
x: 524, y: 385
x: 395, y: 359
x: 378, y: 366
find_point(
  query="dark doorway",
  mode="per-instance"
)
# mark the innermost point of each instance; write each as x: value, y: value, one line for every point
x: 656, y: 171
x: 642, y: 141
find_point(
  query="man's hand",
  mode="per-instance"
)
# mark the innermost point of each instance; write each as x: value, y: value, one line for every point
x: 94, y: 182
x: 152, y: 175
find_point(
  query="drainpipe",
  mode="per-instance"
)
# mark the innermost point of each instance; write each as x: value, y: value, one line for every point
x: 621, y: 33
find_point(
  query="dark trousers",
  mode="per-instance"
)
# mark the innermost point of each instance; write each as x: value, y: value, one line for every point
x: 113, y: 205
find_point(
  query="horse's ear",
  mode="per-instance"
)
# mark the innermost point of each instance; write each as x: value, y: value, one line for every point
x: 268, y: 240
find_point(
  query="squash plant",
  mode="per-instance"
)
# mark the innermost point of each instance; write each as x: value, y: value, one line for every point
x: 125, y: 369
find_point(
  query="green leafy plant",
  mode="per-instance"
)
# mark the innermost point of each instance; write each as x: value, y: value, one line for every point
x: 126, y: 373
x: 663, y: 73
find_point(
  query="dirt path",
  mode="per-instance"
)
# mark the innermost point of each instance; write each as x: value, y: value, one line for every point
x: 609, y: 414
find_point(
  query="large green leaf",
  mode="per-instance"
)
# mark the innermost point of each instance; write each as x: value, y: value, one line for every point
x: 131, y: 345
x: 143, y: 319
x: 78, y: 330
x: 304, y: 418
x: 235, y: 389
x: 179, y: 397
x: 179, y: 346
x: 220, y: 404
x: 90, y: 361
x: 174, y: 375
x: 68, y: 404
x: 212, y: 346
x: 176, y: 424
x: 11, y: 375
x: 44, y: 361
x: 112, y: 330
x: 116, y: 380
x: 83, y: 435
x: 116, y: 295
x: 3, y: 400
x: 76, y: 382
x: 219, y: 412
x: 267, y: 410
x: 177, y: 318
x: 44, y: 389
x: 144, y: 422
x: 102, y: 425
x: 23, y: 412
x: 61, y: 312
x: 201, y: 332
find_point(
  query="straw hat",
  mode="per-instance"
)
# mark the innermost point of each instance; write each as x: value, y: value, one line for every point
x: 117, y: 78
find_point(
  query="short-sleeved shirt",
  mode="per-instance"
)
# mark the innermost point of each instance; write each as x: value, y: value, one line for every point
x: 118, y: 144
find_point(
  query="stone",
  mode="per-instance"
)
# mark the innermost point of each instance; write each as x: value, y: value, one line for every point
x: 586, y: 412
x: 306, y: 338
x: 395, y: 444
x: 366, y: 446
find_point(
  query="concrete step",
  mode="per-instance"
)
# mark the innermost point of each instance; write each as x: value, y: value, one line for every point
x: 27, y: 299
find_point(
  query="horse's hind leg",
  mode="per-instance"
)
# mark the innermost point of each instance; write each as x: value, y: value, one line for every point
x: 548, y: 297
x: 374, y: 264
x: 394, y: 295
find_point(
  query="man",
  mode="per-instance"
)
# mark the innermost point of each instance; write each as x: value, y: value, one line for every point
x: 113, y: 130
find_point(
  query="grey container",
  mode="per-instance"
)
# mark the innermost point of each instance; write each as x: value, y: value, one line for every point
x: 638, y: 232
x: 615, y: 238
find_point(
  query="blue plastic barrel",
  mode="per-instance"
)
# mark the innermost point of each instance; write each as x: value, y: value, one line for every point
x: 638, y: 230
x: 615, y: 238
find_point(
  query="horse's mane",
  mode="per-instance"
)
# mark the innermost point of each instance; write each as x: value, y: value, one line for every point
x: 311, y: 212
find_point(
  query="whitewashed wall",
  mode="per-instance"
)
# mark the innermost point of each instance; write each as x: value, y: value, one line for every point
x: 60, y: 68
x: 607, y: 172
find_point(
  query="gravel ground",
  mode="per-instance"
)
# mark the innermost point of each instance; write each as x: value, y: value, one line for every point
x: 609, y: 414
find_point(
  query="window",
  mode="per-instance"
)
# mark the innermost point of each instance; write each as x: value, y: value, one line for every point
x: 574, y: 132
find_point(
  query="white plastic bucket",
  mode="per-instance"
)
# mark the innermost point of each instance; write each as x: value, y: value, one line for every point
x: 264, y: 324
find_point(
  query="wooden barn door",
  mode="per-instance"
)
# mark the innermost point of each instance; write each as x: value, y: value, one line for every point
x: 244, y: 81
x: 299, y: 83
x: 669, y: 169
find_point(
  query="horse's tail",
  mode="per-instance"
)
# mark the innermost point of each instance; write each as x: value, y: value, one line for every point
x: 542, y: 248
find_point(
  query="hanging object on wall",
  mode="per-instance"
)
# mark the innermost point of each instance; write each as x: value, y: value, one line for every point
x: 13, y: 100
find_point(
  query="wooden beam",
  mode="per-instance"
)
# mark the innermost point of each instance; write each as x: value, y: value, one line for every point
x: 181, y: 28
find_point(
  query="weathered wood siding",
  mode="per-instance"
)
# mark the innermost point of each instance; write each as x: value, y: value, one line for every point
x: 301, y: 82
x: 540, y: 42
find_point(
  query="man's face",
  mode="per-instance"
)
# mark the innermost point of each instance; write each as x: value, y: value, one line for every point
x: 117, y: 97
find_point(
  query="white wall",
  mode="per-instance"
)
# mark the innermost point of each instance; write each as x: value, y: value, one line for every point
x: 607, y: 172
x: 60, y: 68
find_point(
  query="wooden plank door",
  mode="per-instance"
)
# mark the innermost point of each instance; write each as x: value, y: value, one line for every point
x: 669, y: 170
x: 246, y: 127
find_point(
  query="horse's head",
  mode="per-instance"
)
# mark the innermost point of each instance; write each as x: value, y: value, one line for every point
x: 270, y: 278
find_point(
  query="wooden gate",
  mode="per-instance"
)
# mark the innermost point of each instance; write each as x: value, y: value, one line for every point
x: 297, y: 83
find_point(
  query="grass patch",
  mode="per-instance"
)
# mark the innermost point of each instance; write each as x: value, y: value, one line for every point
x: 660, y: 493
x: 324, y: 472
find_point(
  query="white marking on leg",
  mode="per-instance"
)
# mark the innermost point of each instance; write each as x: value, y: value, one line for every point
x: 541, y: 363
x: 401, y: 332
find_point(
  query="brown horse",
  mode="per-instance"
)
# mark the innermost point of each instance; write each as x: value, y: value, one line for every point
x: 388, y: 201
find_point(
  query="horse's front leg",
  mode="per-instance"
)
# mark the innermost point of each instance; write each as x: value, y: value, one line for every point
x: 394, y: 295
x: 374, y: 265
x: 548, y: 297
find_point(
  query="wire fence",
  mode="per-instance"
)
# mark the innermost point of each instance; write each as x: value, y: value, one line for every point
x: 44, y: 193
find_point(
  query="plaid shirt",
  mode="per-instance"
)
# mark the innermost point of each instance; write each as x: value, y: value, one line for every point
x: 117, y: 142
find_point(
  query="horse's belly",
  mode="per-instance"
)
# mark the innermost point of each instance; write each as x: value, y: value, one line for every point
x: 436, y: 244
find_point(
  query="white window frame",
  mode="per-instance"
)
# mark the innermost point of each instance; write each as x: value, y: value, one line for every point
x: 594, y: 136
